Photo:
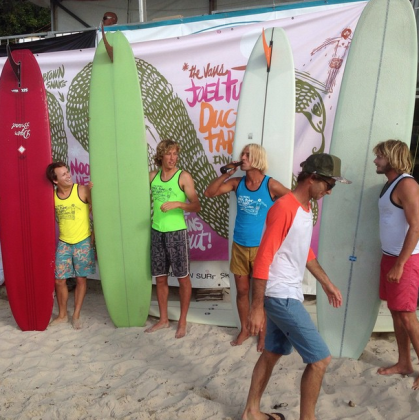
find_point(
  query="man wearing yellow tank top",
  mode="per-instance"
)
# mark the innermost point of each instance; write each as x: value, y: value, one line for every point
x: 170, y: 188
x: 75, y: 255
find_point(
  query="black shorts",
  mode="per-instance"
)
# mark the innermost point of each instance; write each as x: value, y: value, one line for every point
x: 169, y: 249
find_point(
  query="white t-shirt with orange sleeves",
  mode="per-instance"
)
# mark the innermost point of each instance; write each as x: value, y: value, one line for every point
x: 285, y: 248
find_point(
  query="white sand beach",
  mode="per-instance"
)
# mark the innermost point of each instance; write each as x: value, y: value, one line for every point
x: 101, y: 372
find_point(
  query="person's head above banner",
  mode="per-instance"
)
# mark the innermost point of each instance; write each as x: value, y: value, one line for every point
x: 109, y: 18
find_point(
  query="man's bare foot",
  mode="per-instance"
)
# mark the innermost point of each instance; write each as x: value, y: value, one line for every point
x: 58, y: 320
x: 181, y: 331
x: 416, y: 384
x: 159, y: 326
x: 262, y: 416
x: 240, y: 339
x: 76, y: 323
x: 395, y: 370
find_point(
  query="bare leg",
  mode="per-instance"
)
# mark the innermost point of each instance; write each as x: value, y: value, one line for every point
x: 162, y: 288
x: 243, y: 306
x: 404, y: 364
x: 411, y: 325
x: 310, y: 387
x: 185, y: 292
x: 79, y: 294
x: 260, y: 378
x: 62, y: 297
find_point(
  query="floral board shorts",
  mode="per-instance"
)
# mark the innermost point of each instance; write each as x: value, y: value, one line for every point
x: 74, y: 260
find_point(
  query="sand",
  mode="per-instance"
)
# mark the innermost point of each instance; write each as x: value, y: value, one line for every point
x: 101, y: 372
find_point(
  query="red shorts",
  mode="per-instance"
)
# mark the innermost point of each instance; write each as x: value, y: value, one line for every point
x: 402, y: 296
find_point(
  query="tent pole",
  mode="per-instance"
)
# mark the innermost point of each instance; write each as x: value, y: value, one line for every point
x: 52, y: 11
x: 142, y: 11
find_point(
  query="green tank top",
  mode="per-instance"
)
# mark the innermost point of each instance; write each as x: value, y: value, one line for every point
x: 163, y: 191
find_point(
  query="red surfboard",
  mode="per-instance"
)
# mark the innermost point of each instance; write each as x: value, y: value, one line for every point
x: 27, y: 220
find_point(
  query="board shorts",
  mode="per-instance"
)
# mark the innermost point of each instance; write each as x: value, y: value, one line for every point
x: 242, y: 259
x: 170, y: 249
x: 74, y: 260
x: 402, y: 296
x: 290, y: 325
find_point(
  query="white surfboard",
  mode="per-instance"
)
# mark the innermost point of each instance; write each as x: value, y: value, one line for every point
x: 376, y: 103
x: 204, y: 312
x: 266, y: 116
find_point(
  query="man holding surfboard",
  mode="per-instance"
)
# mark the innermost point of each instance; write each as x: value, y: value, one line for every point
x: 170, y: 188
x: 283, y: 254
x: 399, y: 233
x: 256, y: 193
x: 75, y: 254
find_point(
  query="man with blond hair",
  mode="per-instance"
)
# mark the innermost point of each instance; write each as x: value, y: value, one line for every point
x: 399, y: 233
x: 170, y: 188
x: 256, y: 192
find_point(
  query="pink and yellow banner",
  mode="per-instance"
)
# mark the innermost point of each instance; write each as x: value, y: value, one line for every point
x: 191, y: 88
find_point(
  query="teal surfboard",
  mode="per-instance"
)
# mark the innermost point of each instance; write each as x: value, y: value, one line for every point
x: 119, y: 172
x: 266, y: 116
x: 376, y: 103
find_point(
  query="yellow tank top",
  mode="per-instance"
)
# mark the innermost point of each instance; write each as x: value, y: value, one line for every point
x: 73, y: 217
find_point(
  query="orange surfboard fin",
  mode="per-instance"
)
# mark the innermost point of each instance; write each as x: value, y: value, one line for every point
x: 268, y: 50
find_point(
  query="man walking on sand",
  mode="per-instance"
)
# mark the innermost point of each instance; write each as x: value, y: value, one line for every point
x: 283, y: 254
x: 170, y: 188
x: 399, y: 233
x: 256, y: 193
x: 75, y: 254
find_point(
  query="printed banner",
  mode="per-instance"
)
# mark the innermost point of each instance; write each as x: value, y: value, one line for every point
x: 191, y: 88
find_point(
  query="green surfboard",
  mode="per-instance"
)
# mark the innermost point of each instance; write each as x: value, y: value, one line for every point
x: 119, y: 172
x: 376, y: 103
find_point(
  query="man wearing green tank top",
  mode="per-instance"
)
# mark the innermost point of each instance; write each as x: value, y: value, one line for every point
x: 173, y: 193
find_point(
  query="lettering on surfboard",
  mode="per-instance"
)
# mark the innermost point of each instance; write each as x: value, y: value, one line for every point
x: 22, y: 130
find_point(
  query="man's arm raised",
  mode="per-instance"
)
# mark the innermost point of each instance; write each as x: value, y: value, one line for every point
x: 85, y: 193
x: 276, y: 189
x: 222, y: 184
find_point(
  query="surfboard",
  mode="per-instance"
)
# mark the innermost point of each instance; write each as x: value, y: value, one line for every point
x: 27, y: 221
x: 119, y: 172
x: 209, y: 313
x: 266, y: 116
x: 376, y: 103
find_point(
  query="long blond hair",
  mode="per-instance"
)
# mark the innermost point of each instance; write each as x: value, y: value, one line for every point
x: 397, y: 153
x: 257, y: 157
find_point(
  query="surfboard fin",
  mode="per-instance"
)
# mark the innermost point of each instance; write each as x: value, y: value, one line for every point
x: 109, y: 48
x: 15, y: 66
x: 268, y: 50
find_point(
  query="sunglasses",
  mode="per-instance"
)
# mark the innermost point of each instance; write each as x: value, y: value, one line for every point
x: 329, y: 185
x: 107, y: 17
